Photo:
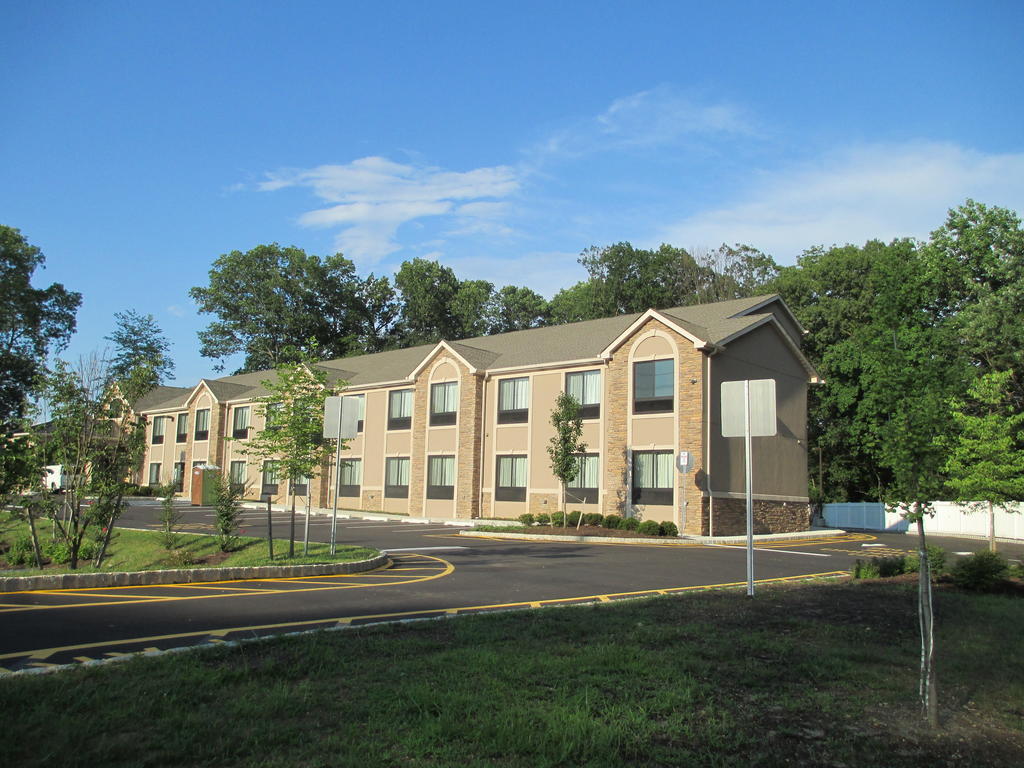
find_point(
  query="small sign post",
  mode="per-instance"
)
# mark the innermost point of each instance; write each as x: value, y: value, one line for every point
x: 340, y: 423
x: 748, y: 410
x: 683, y: 462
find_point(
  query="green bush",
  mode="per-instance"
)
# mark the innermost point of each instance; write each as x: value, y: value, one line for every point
x: 650, y: 528
x: 58, y: 551
x: 612, y: 522
x: 936, y: 561
x: 558, y: 519
x: 20, y: 552
x: 574, y: 518
x: 1017, y: 571
x: 144, y: 490
x: 629, y: 524
x: 593, y: 518
x: 543, y: 518
x: 981, y: 571
x: 865, y: 569
x: 527, y: 519
x: 891, y: 566
x: 668, y: 528
x: 87, y: 550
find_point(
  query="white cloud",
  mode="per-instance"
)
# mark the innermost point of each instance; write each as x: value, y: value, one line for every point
x: 853, y: 195
x: 652, y: 118
x: 175, y: 310
x: 373, y: 196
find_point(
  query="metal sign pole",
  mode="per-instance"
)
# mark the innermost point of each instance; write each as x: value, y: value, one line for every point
x: 337, y: 473
x: 750, y: 494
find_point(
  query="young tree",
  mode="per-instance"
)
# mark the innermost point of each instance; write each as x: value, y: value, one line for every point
x: 138, y: 341
x: 566, y: 444
x: 986, y: 461
x: 33, y: 323
x: 294, y: 410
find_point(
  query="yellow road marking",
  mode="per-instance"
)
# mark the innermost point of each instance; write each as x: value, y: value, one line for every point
x: 95, y: 594
x: 45, y: 653
x: 440, y: 572
x: 87, y: 658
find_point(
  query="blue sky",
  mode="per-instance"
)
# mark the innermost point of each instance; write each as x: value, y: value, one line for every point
x: 142, y: 140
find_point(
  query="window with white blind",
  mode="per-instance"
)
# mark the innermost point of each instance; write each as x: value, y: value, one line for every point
x: 270, y: 477
x: 350, y: 478
x: 583, y: 488
x: 514, y: 400
x: 178, y: 476
x: 396, y: 477
x: 585, y: 386
x: 202, y: 424
x: 444, y: 403
x: 240, y: 422
x: 653, y: 473
x: 154, y: 473
x: 653, y: 381
x: 361, y: 401
x: 400, y: 409
x: 159, y: 423
x: 511, y: 479
x: 300, y: 486
x: 236, y: 474
x: 182, y: 434
x: 440, y: 477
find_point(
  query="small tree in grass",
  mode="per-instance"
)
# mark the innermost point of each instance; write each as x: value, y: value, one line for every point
x: 228, y: 510
x: 170, y: 518
x: 986, y: 463
x: 566, y: 444
x: 293, y: 436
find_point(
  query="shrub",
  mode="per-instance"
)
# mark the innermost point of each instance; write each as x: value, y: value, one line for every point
x: 865, y: 569
x: 629, y: 524
x: 181, y: 558
x: 593, y: 518
x: 543, y: 518
x: 573, y: 519
x: 981, y: 571
x: 170, y: 518
x: 558, y: 519
x: 20, y: 552
x: 612, y: 522
x: 527, y: 519
x: 891, y: 566
x: 650, y: 528
x: 144, y: 490
x: 1017, y: 571
x: 87, y: 550
x: 668, y: 528
x: 936, y: 561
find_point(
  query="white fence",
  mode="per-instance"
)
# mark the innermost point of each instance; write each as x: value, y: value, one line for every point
x: 950, y: 518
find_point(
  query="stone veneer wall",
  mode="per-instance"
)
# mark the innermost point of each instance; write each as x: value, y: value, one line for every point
x: 537, y: 505
x: 730, y: 518
x: 468, y: 462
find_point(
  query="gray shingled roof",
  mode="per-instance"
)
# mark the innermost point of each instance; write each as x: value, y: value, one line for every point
x: 536, y: 346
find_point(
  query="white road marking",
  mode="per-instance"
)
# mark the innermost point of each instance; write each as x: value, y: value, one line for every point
x: 783, y: 551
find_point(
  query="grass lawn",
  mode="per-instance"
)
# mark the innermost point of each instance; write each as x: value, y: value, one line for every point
x: 802, y: 675
x: 144, y: 551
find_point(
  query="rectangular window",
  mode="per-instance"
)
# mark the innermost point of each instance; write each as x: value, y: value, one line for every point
x: 514, y: 401
x: 400, y: 409
x: 274, y: 415
x: 584, y: 487
x: 240, y: 422
x: 351, y: 477
x: 158, y: 430
x: 585, y: 386
x: 154, y: 474
x: 652, y: 386
x: 444, y: 402
x: 361, y: 401
x: 440, y: 477
x: 396, y: 478
x: 511, y: 474
x: 203, y: 424
x: 237, y: 474
x: 270, y: 480
x: 652, y: 477
x: 182, y: 435
x: 179, y: 476
x: 300, y: 486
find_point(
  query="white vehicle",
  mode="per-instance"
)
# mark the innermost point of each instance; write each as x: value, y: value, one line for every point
x: 54, y: 478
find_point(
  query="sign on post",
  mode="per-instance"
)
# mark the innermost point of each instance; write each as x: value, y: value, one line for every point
x: 748, y: 410
x: 341, y: 422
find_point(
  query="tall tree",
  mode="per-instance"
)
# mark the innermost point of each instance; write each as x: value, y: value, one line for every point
x: 517, y: 308
x: 471, y: 308
x: 33, y: 322
x: 381, y: 309
x: 138, y: 341
x: 986, y: 461
x: 271, y: 301
x: 566, y: 443
x: 428, y: 291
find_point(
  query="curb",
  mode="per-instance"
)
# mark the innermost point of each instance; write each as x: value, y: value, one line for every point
x: 355, y: 514
x: 185, y: 575
x: 660, y: 541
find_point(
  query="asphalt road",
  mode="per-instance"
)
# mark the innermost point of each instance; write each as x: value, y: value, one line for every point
x: 435, y: 572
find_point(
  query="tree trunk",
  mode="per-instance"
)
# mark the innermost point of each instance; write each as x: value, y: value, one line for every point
x: 926, y: 617
x: 270, y: 531
x: 991, y: 527
x: 291, y: 531
x: 98, y: 561
x: 35, y: 537
x: 305, y: 527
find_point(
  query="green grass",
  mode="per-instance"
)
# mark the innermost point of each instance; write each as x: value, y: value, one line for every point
x: 144, y: 551
x: 810, y: 675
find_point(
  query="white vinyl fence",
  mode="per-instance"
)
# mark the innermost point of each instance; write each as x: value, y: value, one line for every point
x: 950, y: 518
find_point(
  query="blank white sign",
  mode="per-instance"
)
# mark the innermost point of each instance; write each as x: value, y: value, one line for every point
x: 337, y: 413
x: 763, y: 422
